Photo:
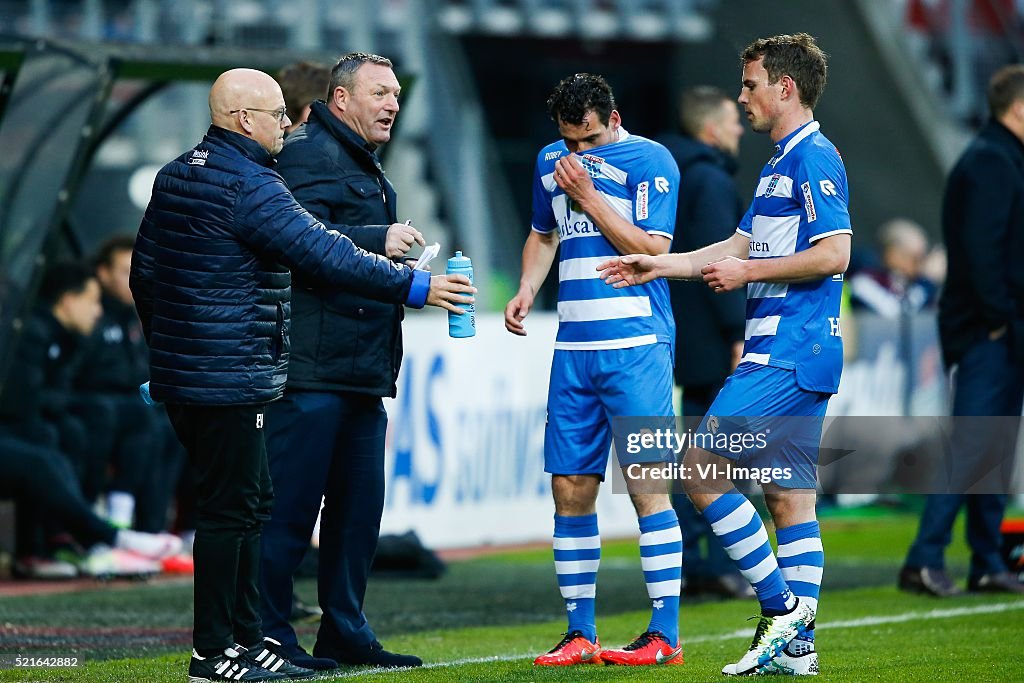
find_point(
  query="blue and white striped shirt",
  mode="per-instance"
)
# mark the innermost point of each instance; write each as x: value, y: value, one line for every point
x: 640, y: 180
x: 802, y: 196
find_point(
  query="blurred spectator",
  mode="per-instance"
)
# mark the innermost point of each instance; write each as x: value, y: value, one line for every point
x: 899, y: 285
x: 41, y: 481
x: 709, y: 326
x: 981, y: 327
x: 302, y: 84
x: 36, y: 392
x: 146, y: 455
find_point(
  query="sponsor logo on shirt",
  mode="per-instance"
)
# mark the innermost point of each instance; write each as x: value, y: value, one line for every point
x: 642, y: 191
x: 592, y: 164
x: 568, y: 228
x: 827, y: 188
x: 552, y: 155
x: 759, y: 247
x: 199, y: 157
x: 809, y: 203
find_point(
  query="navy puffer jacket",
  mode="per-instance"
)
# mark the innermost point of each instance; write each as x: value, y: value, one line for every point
x: 214, y: 303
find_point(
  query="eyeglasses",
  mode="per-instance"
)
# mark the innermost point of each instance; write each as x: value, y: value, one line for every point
x: 279, y: 114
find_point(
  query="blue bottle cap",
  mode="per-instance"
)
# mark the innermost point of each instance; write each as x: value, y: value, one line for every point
x: 459, y: 261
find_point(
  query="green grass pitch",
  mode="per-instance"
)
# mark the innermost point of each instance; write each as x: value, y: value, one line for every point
x: 490, y: 616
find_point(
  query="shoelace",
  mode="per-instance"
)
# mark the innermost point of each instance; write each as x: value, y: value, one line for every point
x: 762, y: 627
x: 569, y: 637
x: 643, y: 640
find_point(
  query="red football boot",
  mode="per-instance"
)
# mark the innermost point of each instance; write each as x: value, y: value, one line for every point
x: 650, y: 647
x: 573, y: 649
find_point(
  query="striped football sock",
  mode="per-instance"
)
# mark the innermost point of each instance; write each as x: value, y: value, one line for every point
x: 661, y: 556
x: 738, y: 526
x: 577, y: 546
x: 802, y: 561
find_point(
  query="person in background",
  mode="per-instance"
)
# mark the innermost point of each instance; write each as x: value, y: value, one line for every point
x: 145, y: 455
x: 900, y: 285
x: 981, y: 329
x: 42, y: 484
x: 709, y: 326
x: 37, y: 474
x: 302, y: 84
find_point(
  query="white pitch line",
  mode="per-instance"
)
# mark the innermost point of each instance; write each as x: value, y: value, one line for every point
x: 744, y: 633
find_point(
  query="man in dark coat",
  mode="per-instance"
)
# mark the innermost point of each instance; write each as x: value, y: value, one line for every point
x: 212, y: 287
x: 981, y: 328
x: 709, y: 325
x: 326, y: 438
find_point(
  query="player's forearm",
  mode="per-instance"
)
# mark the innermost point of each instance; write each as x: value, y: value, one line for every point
x: 829, y: 256
x: 624, y: 236
x: 686, y: 266
x: 538, y: 255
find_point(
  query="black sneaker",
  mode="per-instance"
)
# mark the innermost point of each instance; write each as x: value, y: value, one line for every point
x: 1004, y: 582
x: 230, y: 666
x: 271, y: 657
x: 373, y: 654
x: 927, y: 580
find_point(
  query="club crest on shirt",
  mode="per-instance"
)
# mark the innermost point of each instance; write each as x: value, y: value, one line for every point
x: 592, y: 164
x: 772, y: 184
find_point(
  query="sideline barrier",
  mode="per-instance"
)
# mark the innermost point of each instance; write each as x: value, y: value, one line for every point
x: 465, y: 445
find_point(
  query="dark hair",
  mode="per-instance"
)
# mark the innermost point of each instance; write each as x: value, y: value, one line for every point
x: 1005, y: 88
x: 303, y: 83
x: 697, y: 105
x: 343, y: 74
x: 574, y: 96
x: 105, y: 254
x: 63, y: 277
x: 796, y: 56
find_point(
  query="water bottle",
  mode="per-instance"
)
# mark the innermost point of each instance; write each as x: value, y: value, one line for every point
x: 462, y: 325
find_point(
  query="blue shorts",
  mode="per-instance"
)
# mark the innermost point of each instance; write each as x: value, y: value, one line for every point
x: 590, y: 388
x: 782, y: 420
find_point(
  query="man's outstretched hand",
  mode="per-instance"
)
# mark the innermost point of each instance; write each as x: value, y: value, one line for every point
x: 629, y: 271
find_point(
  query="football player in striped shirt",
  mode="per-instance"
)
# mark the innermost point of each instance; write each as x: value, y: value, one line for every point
x: 790, y: 252
x: 599, y: 192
